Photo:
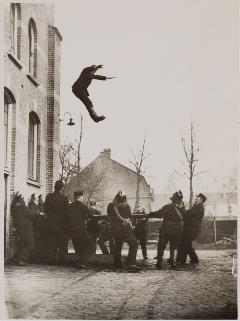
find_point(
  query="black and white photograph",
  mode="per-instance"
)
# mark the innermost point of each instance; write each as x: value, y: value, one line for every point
x: 120, y: 156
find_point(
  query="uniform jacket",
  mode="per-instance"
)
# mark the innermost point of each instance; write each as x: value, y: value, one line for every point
x: 172, y: 221
x: 92, y: 223
x: 22, y: 219
x: 124, y: 211
x: 192, y: 221
x: 140, y: 225
x: 77, y: 214
x: 119, y: 229
x: 169, y: 215
x: 56, y: 209
x: 85, y: 79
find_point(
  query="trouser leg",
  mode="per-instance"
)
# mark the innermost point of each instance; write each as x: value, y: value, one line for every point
x: 53, y: 251
x: 132, y: 252
x: 101, y: 242
x: 63, y: 248
x: 162, y: 242
x: 88, y: 247
x: 191, y: 252
x: 18, y: 243
x: 83, y: 246
x: 184, y: 249
x: 180, y: 252
x: 27, y: 247
x: 94, y: 239
x: 142, y: 239
x: 117, y: 252
x: 88, y: 104
x: 172, y: 252
x: 111, y: 244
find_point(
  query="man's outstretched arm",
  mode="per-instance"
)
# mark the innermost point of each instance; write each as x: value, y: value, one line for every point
x: 101, y: 77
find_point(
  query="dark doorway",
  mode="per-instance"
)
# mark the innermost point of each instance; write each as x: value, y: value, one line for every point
x: 5, y: 213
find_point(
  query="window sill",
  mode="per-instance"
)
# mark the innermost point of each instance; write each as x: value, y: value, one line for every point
x: 15, y: 60
x: 6, y: 170
x: 33, y: 80
x: 32, y: 182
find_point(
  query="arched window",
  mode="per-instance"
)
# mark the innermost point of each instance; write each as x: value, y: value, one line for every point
x: 5, y: 131
x: 33, y: 146
x: 8, y: 100
x: 15, y: 28
x: 32, y: 38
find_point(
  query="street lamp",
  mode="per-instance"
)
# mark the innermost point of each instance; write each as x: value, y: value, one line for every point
x: 71, y: 122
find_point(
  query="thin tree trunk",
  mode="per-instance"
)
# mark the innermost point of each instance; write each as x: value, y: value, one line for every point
x: 137, y: 193
x: 191, y: 192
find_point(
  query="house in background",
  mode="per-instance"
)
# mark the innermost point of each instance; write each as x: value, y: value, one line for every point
x: 104, y: 177
x: 32, y: 46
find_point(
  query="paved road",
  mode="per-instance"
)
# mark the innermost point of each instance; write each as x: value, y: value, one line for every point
x: 47, y: 292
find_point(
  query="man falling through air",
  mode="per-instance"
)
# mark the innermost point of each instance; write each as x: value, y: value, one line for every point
x: 80, y: 87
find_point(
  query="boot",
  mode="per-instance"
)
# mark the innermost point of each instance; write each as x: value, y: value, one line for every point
x: 171, y: 259
x: 159, y: 263
x: 133, y: 268
x: 94, y: 115
x: 99, y: 118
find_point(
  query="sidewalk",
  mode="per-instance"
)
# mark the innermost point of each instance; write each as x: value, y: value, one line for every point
x: 208, y: 291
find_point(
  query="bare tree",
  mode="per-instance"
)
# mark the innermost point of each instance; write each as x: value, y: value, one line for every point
x: 68, y: 162
x: 138, y: 163
x: 90, y: 180
x: 191, y: 152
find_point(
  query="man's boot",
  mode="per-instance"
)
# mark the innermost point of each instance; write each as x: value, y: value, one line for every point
x: 159, y: 264
x: 171, y: 259
x: 94, y: 115
x: 99, y: 118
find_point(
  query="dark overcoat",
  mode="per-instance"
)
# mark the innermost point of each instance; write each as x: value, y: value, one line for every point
x: 77, y: 214
x: 84, y: 80
x: 56, y: 208
x: 192, y: 221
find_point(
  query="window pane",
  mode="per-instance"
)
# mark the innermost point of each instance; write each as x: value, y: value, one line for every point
x: 31, y: 48
x: 12, y: 27
x: 5, y: 132
x: 33, y: 133
x: 31, y: 148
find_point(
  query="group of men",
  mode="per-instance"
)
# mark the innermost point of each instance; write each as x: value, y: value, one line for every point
x: 42, y: 230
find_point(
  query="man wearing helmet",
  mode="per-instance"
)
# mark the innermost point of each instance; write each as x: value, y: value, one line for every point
x: 171, y: 229
x: 119, y: 213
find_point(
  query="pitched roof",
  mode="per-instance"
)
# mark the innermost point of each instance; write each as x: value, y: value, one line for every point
x: 127, y: 168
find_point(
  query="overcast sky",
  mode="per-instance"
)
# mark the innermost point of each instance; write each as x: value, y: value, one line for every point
x: 175, y: 62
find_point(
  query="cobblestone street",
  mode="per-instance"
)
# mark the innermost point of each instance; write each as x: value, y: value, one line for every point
x: 208, y: 291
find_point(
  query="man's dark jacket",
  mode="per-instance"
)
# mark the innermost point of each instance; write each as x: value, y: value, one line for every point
x: 85, y: 79
x: 22, y: 219
x: 92, y: 223
x: 124, y: 211
x: 77, y: 214
x: 169, y: 215
x: 192, y: 221
x: 56, y: 209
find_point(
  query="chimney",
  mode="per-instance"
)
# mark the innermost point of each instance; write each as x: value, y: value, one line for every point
x: 106, y: 152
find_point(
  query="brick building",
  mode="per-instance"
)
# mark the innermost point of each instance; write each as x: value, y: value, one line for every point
x: 104, y: 177
x: 31, y: 103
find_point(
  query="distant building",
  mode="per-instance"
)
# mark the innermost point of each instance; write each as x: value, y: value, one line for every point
x: 31, y: 103
x: 104, y: 177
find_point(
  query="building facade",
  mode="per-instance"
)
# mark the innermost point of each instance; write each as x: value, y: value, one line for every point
x: 104, y: 177
x: 31, y: 103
